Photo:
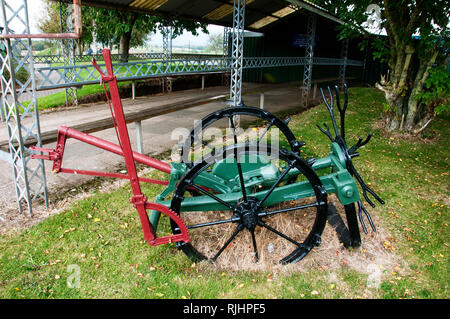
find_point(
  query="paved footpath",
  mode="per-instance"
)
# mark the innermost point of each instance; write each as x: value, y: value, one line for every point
x: 157, y: 133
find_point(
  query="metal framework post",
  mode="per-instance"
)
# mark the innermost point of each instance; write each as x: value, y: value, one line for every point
x: 167, y: 42
x: 2, y: 113
x: 29, y: 174
x: 226, y: 42
x: 68, y: 51
x: 237, y: 52
x: 309, y: 58
x: 343, y: 67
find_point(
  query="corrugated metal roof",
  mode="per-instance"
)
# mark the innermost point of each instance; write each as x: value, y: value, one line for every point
x: 259, y: 14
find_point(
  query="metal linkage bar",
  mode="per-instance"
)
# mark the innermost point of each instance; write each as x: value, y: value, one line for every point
x: 68, y: 51
x: 309, y: 56
x: 29, y: 174
x: 237, y: 52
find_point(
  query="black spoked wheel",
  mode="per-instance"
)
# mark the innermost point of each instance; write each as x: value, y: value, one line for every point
x: 258, y: 126
x: 264, y: 222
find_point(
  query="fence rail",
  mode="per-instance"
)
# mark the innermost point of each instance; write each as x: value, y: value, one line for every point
x: 53, y: 76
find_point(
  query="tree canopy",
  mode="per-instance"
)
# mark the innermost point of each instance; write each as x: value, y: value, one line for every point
x: 114, y: 27
x: 415, y: 44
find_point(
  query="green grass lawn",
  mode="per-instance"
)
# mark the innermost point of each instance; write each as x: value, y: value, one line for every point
x: 100, y: 237
x: 59, y: 99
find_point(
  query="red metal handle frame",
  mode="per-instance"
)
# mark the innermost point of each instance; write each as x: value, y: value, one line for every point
x: 124, y: 149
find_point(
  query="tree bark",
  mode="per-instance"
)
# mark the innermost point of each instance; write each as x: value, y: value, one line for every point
x: 124, y: 47
x: 401, y: 91
x: 125, y: 38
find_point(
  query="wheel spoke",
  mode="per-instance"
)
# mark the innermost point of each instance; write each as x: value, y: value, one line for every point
x: 203, y: 142
x: 284, y: 210
x: 291, y: 165
x: 255, y: 248
x: 265, y: 132
x: 212, y: 196
x: 239, y: 167
x: 261, y: 223
x: 218, y: 222
x: 236, y: 231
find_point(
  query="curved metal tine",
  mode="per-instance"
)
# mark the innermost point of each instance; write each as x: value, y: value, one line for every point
x: 360, y: 143
x: 365, y: 188
x: 333, y: 118
x: 330, y: 108
x: 239, y: 167
x: 341, y: 110
x: 372, y: 192
x: 324, y: 99
x: 327, y: 132
x: 356, y: 146
x: 361, y: 207
x: 236, y: 231
x: 361, y: 218
x: 345, y: 97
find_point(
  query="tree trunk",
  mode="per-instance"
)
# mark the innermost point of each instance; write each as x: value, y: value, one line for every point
x: 125, y: 38
x: 414, y: 115
x: 124, y: 47
x: 405, y: 110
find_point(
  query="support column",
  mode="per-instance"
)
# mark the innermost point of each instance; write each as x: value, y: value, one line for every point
x: 29, y: 174
x: 167, y: 42
x: 139, y: 137
x: 237, y: 53
x: 343, y: 67
x: 68, y: 51
x: 226, y: 42
x: 226, y: 54
x: 2, y: 112
x: 309, y: 57
x: 167, y: 55
x: 133, y: 90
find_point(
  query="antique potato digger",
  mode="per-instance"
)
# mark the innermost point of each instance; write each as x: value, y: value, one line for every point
x: 239, y: 186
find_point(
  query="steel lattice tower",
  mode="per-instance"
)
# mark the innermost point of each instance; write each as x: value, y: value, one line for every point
x: 68, y: 51
x: 309, y: 58
x: 29, y: 174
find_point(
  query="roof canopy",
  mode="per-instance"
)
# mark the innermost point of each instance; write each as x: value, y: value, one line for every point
x: 260, y: 14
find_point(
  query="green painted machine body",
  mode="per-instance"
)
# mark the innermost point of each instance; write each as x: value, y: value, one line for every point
x: 259, y: 173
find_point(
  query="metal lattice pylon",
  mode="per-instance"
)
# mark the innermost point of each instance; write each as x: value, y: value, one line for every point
x: 343, y: 67
x: 68, y: 51
x: 226, y: 42
x: 167, y: 42
x: 18, y: 80
x: 309, y: 57
x: 237, y: 52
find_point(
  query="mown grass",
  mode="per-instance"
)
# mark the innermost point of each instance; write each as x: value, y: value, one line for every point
x: 101, y: 234
x: 58, y: 99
